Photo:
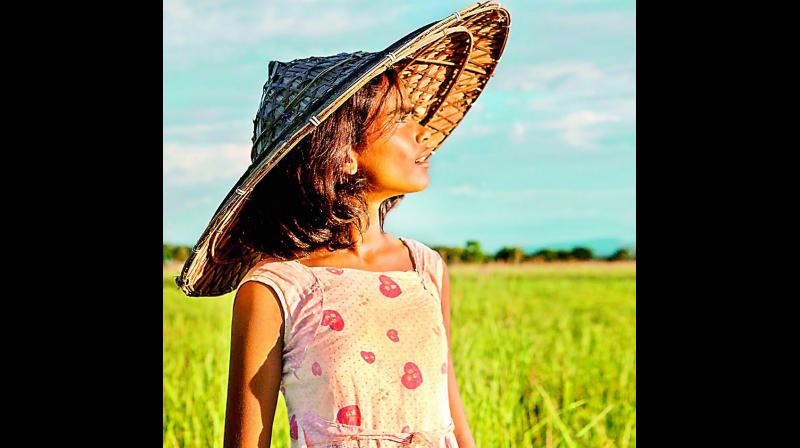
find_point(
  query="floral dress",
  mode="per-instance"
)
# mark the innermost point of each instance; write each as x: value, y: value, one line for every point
x: 365, y: 353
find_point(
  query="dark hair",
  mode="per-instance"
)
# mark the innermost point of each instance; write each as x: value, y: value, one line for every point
x: 307, y: 202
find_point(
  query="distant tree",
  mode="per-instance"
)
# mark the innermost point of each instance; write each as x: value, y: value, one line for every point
x: 167, y: 253
x: 530, y: 256
x: 509, y: 254
x: 449, y: 254
x: 620, y: 254
x: 563, y: 255
x: 472, y: 252
x: 582, y: 253
x: 545, y: 254
x: 181, y: 253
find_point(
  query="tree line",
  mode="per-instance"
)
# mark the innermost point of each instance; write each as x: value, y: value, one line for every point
x: 472, y: 253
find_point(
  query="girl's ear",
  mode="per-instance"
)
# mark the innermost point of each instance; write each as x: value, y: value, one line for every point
x: 351, y: 166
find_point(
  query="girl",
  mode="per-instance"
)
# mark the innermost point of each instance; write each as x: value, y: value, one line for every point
x: 350, y: 323
x: 378, y: 367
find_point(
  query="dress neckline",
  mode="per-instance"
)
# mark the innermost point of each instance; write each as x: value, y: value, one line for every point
x: 414, y: 263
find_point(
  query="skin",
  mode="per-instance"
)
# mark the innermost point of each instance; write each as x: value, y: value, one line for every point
x: 256, y: 335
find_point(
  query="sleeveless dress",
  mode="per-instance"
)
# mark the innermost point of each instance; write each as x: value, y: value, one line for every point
x: 365, y: 353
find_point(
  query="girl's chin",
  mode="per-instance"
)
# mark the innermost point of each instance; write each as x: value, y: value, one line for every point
x: 410, y: 183
x: 413, y: 188
x: 420, y: 186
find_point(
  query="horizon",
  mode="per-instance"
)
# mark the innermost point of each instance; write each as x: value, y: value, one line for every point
x: 607, y: 246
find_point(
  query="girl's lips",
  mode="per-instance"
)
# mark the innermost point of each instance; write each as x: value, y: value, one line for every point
x: 424, y: 164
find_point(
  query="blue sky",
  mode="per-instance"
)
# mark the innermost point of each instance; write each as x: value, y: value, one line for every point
x: 547, y: 155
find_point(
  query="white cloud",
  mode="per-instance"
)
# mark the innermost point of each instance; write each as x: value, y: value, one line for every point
x: 195, y: 164
x: 258, y: 22
x: 540, y: 193
x: 518, y: 132
x: 475, y: 129
x: 194, y: 203
x: 462, y: 190
x: 596, y: 23
x: 208, y: 132
x: 580, y: 129
x: 193, y: 130
x: 548, y: 76
x: 177, y: 9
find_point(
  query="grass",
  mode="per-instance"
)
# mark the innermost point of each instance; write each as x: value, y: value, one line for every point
x: 545, y: 356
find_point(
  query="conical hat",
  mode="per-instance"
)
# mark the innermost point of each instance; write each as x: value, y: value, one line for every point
x: 444, y: 65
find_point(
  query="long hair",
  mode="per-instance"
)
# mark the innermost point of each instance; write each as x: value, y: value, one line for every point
x: 306, y: 202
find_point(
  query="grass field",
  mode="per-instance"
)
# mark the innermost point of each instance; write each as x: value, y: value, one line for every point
x: 545, y: 355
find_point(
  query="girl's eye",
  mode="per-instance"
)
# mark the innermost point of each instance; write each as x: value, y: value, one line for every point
x: 404, y: 118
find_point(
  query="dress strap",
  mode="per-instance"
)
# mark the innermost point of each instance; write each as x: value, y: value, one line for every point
x: 413, y: 250
x: 428, y: 263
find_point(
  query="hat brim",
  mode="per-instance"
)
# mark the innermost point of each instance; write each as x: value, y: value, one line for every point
x: 445, y: 66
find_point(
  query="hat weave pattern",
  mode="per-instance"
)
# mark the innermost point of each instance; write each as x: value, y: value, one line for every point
x: 291, y: 90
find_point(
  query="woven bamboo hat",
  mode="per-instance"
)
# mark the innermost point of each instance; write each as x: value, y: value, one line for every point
x: 444, y: 65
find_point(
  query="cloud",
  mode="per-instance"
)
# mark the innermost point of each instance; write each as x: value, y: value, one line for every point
x: 194, y: 203
x: 548, y: 76
x: 207, y: 132
x: 230, y: 34
x: 462, y: 190
x: 580, y: 129
x: 474, y: 129
x: 194, y: 164
x: 203, y: 130
x: 595, y: 23
x: 257, y: 22
x: 177, y: 9
x: 529, y: 193
x: 518, y: 133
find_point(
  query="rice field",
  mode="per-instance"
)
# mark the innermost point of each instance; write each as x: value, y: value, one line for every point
x: 545, y: 356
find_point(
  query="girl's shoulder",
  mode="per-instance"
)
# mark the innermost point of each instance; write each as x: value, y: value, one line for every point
x: 288, y: 276
x: 297, y: 291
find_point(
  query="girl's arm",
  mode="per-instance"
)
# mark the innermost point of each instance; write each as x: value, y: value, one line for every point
x: 462, y: 432
x: 256, y: 364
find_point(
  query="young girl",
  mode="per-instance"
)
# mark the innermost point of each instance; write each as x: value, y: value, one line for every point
x: 356, y: 338
x: 350, y: 323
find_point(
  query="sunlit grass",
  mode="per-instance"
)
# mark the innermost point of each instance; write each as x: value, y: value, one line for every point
x: 545, y: 355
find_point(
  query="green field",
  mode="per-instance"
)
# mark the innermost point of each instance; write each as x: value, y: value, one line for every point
x: 545, y: 355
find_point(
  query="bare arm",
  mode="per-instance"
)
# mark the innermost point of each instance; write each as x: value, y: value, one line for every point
x: 462, y: 432
x: 255, y: 367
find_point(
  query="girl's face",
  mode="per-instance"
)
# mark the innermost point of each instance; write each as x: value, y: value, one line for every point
x: 389, y: 160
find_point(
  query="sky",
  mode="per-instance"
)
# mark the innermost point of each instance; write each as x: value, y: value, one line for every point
x: 545, y: 157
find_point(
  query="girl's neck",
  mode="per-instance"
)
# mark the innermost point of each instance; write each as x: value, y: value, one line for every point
x: 372, y: 235
x: 371, y: 243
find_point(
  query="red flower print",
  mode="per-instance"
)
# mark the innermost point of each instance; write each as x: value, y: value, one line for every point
x: 447, y: 443
x: 349, y: 415
x: 392, y: 334
x: 369, y: 357
x: 316, y: 369
x: 405, y: 429
x: 444, y: 367
x: 336, y: 271
x: 333, y: 319
x: 388, y: 287
x: 293, y: 428
x: 412, y: 377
